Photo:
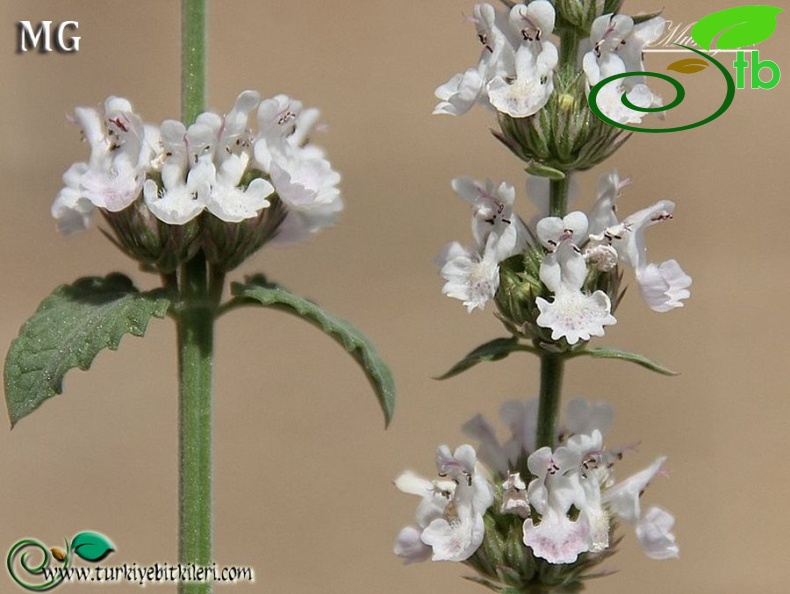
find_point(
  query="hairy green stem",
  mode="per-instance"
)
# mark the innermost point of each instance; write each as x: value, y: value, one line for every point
x: 195, y: 325
x: 558, y: 196
x: 195, y: 329
x: 569, y: 49
x: 193, y: 59
x: 551, y: 369
x: 552, y: 364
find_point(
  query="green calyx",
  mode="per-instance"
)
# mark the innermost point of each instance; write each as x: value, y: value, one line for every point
x: 565, y: 135
x: 580, y: 14
x: 520, y: 286
x: 162, y: 248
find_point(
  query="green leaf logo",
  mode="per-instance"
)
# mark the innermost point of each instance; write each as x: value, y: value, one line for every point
x: 92, y: 546
x: 688, y: 65
x: 735, y: 27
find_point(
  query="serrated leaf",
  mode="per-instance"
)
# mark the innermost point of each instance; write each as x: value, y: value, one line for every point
x: 541, y: 170
x: 92, y: 546
x: 736, y: 27
x: 260, y: 291
x: 494, y: 350
x: 688, y: 65
x: 604, y: 353
x: 68, y: 330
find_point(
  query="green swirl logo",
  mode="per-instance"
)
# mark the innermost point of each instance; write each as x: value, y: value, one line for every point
x: 728, y: 29
x: 21, y: 550
x: 680, y: 94
x: 89, y: 546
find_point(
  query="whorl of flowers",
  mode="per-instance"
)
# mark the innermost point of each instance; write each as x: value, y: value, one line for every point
x: 532, y: 517
x: 563, y: 272
x: 538, y: 86
x: 515, y: 72
x: 168, y: 190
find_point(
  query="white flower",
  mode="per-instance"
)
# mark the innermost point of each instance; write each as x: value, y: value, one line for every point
x: 303, y: 179
x: 514, y: 499
x: 521, y: 417
x: 471, y: 276
x: 609, y: 99
x: 555, y: 537
x: 554, y: 230
x: 120, y: 154
x: 662, y: 286
x: 573, y: 314
x: 229, y: 202
x: 525, y: 89
x: 515, y: 73
x: 493, y: 215
x: 409, y: 545
x: 450, y: 516
x: 179, y: 201
x: 582, y: 417
x: 234, y: 136
x: 572, y: 498
x: 654, y: 532
x: 522, y: 420
x: 459, y: 94
x: 603, y: 216
x: 617, y: 48
x: 623, y: 498
x: 489, y: 451
x: 618, y: 34
x: 71, y: 209
x: 217, y: 164
x: 309, y: 189
x: 435, y: 497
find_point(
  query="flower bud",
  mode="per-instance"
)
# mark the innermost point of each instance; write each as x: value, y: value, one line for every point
x: 519, y: 284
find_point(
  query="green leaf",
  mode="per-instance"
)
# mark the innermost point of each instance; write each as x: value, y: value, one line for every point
x: 68, y: 330
x: 497, y: 349
x: 735, y: 27
x: 535, y: 168
x: 604, y: 353
x: 259, y: 290
x: 92, y: 546
x: 688, y: 65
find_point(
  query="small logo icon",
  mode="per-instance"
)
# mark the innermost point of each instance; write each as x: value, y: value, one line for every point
x: 726, y: 30
x: 89, y: 546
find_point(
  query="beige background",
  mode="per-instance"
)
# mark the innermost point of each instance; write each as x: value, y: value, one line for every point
x: 303, y: 466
